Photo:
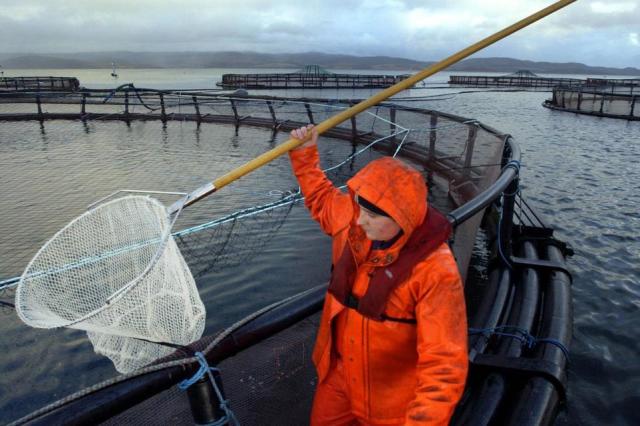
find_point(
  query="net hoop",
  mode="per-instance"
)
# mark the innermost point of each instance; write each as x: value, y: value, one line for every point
x: 117, y: 295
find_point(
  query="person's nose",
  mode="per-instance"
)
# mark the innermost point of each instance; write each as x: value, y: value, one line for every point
x: 361, y: 219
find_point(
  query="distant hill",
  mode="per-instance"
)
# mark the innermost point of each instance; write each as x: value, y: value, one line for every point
x: 511, y: 65
x: 289, y: 60
x: 42, y: 61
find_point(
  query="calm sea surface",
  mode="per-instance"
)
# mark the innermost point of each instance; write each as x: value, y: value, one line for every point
x: 580, y: 172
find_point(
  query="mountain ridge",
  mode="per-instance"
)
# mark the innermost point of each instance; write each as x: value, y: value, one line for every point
x: 234, y: 59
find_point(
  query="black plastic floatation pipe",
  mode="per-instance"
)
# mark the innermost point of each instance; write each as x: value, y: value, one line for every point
x: 488, y: 313
x: 203, y: 400
x: 492, y: 309
x: 522, y: 315
x: 544, y: 377
x: 488, y: 392
x: 539, y: 400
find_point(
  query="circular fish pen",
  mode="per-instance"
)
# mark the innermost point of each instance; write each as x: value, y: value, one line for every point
x: 522, y: 78
x: 516, y: 283
x: 612, y: 99
x: 310, y: 76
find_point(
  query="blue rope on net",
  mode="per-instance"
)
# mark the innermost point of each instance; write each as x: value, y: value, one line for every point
x: 229, y: 417
x: 526, y: 339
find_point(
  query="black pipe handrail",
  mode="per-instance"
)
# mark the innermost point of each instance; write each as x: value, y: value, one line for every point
x: 489, y: 195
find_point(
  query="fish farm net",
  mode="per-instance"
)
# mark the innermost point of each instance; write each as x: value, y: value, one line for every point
x: 460, y: 157
x: 271, y: 383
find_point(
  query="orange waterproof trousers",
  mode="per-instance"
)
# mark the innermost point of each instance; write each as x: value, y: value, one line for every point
x: 331, y: 405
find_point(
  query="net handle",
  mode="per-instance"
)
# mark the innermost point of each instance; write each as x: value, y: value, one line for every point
x: 335, y: 120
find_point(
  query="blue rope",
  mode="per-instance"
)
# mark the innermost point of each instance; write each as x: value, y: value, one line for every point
x: 557, y: 344
x: 514, y: 164
x: 526, y: 339
x: 228, y: 417
x: 204, y: 368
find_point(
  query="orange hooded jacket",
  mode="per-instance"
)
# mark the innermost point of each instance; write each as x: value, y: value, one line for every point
x: 394, y: 372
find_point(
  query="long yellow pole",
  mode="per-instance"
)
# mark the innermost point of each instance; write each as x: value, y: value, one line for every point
x: 373, y: 100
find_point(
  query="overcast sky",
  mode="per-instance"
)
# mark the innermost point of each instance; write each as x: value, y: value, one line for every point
x: 592, y: 32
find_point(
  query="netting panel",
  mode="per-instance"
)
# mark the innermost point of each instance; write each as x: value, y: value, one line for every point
x: 233, y: 239
x: 271, y: 383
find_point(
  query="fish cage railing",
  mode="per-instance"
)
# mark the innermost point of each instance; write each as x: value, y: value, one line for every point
x: 613, y: 81
x: 627, y: 89
x: 304, y: 80
x: 511, y: 81
x: 464, y: 153
x: 38, y: 83
x: 614, y: 101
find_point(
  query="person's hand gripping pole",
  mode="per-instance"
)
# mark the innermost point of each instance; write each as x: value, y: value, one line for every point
x: 308, y: 134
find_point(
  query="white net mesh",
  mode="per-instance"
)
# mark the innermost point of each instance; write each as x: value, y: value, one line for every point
x: 116, y: 272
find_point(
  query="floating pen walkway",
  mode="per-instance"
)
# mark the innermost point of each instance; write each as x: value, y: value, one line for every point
x: 310, y: 77
x: 614, y: 82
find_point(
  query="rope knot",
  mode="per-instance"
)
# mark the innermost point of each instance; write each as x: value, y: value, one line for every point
x: 229, y: 417
x: 204, y: 369
x: 526, y: 339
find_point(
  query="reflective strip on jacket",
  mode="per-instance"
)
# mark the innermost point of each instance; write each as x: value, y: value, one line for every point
x: 395, y: 372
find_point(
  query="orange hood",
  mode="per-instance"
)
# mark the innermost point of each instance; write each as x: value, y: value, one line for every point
x: 396, y: 188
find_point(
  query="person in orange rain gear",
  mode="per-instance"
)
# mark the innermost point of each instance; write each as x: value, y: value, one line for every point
x: 392, y: 344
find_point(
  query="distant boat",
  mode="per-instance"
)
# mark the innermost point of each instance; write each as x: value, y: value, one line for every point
x: 113, y: 70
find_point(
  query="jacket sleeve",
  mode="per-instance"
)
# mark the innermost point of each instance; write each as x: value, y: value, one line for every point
x: 441, y: 344
x: 328, y: 205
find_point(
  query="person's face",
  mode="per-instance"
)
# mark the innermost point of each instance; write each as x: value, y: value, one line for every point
x: 377, y: 227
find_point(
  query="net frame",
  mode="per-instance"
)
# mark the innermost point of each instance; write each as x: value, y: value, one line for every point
x: 120, y: 324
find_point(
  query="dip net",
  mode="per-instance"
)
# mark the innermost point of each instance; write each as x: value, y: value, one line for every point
x: 117, y: 273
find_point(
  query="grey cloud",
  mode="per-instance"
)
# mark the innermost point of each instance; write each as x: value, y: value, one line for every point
x: 583, y: 17
x: 284, y: 27
x: 362, y: 27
